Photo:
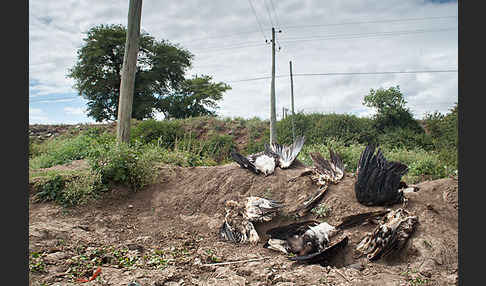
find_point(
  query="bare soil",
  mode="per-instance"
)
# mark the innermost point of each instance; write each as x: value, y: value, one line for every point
x: 178, y: 219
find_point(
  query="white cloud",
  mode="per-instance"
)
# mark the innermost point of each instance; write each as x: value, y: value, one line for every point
x: 56, y: 32
x: 37, y: 115
x: 74, y: 110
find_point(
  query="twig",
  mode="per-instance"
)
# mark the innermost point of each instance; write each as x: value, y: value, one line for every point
x: 342, y: 275
x: 233, y: 262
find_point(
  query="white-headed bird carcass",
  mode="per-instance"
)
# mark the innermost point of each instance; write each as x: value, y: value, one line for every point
x: 389, y: 236
x: 274, y: 155
x: 238, y: 222
x: 309, y: 241
x: 378, y: 181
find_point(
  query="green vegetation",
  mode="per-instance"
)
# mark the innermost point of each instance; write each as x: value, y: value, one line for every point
x: 207, y: 141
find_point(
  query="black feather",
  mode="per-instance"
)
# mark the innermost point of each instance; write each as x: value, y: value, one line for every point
x: 323, y: 255
x: 378, y: 180
x: 244, y: 162
x: 286, y: 231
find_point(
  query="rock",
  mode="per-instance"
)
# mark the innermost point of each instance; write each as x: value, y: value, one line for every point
x: 52, y: 258
x: 357, y: 266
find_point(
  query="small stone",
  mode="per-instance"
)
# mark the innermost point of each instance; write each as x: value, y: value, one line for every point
x: 130, y: 206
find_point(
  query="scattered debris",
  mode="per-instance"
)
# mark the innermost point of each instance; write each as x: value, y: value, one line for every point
x: 93, y: 277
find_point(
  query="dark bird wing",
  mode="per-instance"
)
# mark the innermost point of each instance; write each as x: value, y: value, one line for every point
x: 287, y: 154
x: 357, y: 219
x: 378, y: 180
x: 244, y: 162
x: 324, y: 255
x: 286, y: 231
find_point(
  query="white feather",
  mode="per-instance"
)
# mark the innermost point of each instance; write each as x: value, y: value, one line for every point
x: 265, y: 164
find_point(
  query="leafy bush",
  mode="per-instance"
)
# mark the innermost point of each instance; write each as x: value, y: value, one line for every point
x: 164, y: 132
x: 122, y: 164
x: 406, y: 138
x: 50, y: 189
x: 317, y: 127
x: 64, y: 150
x: 218, y: 147
x: 69, y: 190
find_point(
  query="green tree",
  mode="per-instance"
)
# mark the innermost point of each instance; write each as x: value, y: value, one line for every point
x: 161, y: 67
x: 392, y: 112
x: 195, y: 97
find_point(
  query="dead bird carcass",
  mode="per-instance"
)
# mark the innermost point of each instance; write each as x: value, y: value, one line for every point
x: 323, y: 173
x: 238, y: 222
x: 378, y: 181
x: 274, y: 155
x: 309, y: 241
x: 389, y: 236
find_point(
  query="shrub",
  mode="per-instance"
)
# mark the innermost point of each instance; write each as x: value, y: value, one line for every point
x: 164, y: 132
x: 317, y: 127
x: 50, y: 189
x: 68, y: 189
x: 122, y: 164
x: 218, y: 147
x: 406, y: 138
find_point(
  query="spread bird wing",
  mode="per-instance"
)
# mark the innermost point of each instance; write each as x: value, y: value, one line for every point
x: 331, y: 171
x: 390, y: 236
x: 324, y: 255
x: 244, y: 162
x: 356, y: 219
x: 287, y: 154
x: 286, y: 231
x: 262, y: 209
x: 378, y: 180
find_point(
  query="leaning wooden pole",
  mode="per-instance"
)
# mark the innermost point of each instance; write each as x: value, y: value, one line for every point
x: 129, y: 69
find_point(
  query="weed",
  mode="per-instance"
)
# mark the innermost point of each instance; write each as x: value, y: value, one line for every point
x: 36, y: 262
x: 321, y: 211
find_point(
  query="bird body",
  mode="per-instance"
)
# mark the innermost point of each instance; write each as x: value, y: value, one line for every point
x: 274, y: 155
x: 301, y: 238
x: 238, y: 222
x: 389, y: 236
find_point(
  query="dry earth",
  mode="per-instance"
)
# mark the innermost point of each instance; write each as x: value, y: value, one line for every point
x: 165, y: 234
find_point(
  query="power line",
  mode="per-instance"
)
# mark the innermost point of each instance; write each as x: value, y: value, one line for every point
x: 318, y: 25
x: 259, y: 25
x: 370, y: 22
x: 275, y: 13
x: 366, y: 35
x: 329, y: 37
x: 268, y: 12
x: 344, y: 73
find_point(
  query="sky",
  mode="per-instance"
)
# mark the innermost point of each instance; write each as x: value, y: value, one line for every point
x: 227, y: 39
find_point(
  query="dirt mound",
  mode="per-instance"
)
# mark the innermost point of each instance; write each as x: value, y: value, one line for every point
x: 165, y: 235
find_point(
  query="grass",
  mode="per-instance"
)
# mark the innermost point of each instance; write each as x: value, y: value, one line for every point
x: 206, y: 141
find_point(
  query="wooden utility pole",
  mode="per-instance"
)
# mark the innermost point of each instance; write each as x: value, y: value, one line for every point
x: 273, y: 132
x: 129, y: 69
x: 291, y: 88
x: 292, y: 100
